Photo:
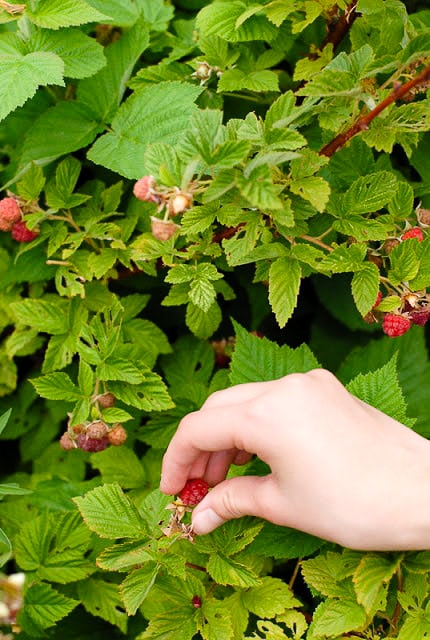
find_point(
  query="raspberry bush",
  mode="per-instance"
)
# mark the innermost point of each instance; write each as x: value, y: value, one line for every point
x: 193, y: 195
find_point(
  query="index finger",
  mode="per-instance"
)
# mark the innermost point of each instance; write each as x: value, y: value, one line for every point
x: 209, y: 430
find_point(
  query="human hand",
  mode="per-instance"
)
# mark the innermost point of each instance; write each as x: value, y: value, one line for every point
x: 340, y: 469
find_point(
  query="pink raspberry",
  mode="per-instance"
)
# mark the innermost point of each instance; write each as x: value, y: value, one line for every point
x: 394, y: 325
x: 415, y: 232
x: 10, y: 213
x: 144, y: 189
x: 91, y: 444
x: 193, y: 492
x: 21, y: 233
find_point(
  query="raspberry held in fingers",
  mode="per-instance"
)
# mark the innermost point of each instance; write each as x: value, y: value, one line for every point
x: 193, y: 492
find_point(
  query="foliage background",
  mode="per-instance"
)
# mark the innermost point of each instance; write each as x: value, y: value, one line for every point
x: 239, y: 106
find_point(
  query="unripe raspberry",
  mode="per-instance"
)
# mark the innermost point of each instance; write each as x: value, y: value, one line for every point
x: 193, y: 492
x: 79, y: 428
x: 424, y: 216
x: 107, y: 400
x: 97, y: 430
x: 178, y: 204
x: 390, y: 244
x: 21, y: 233
x: 394, y: 325
x: 163, y: 229
x: 66, y: 442
x: 144, y: 189
x: 117, y: 435
x: 415, y: 232
x: 10, y: 213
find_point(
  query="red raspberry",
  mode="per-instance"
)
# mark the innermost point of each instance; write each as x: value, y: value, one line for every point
x: 117, y: 435
x: 193, y: 492
x: 143, y: 189
x: 91, y: 444
x: 419, y: 316
x: 9, y: 213
x: 415, y: 232
x: 395, y: 325
x: 197, y: 602
x: 21, y: 233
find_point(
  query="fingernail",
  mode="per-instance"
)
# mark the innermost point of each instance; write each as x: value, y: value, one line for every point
x: 206, y: 521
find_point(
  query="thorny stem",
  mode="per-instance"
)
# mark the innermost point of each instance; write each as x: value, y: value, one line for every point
x: 337, y: 33
x: 363, y: 122
x: 398, y: 609
x: 191, y: 565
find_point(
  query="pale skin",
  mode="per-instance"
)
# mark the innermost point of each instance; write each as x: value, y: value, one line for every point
x: 340, y: 469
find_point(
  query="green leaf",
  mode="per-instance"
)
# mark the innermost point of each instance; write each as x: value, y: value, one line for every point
x: 54, y: 14
x: 32, y: 183
x: 56, y: 386
x: 21, y: 75
x: 328, y: 574
x: 402, y: 203
x: 203, y: 323
x: 4, y: 417
x: 42, y: 315
x: 137, y: 585
x: 365, y: 287
x: 371, y: 580
x: 126, y: 556
x: 284, y: 284
x: 221, y: 19
x: 314, y: 189
x: 43, y: 607
x: 121, y: 12
x: 149, y: 395
x: 82, y: 55
x: 225, y: 571
x: 119, y: 369
x: 119, y: 465
x: 258, y: 81
x: 382, y: 390
x: 159, y: 113
x: 5, y: 548
x: 102, y: 599
x: 102, y: 93
x: 216, y: 620
x: 256, y: 359
x: 270, y: 598
x: 110, y: 513
x: 335, y: 617
x: 258, y: 188
x: 404, y: 262
x: 370, y: 193
x: 75, y: 128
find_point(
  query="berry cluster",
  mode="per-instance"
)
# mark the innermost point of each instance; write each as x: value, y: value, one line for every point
x: 11, y: 220
x: 172, y: 201
x: 93, y: 436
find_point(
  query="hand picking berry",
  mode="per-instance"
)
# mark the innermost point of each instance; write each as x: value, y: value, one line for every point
x: 395, y: 325
x: 21, y: 233
x: 415, y: 232
x: 10, y: 213
x: 193, y: 492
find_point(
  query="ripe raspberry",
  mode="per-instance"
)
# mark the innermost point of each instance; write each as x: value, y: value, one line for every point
x: 419, y: 316
x: 97, y: 430
x: 193, y: 492
x: 196, y: 602
x: 66, y: 442
x: 415, y: 232
x: 91, y: 444
x: 395, y: 325
x: 117, y: 435
x: 21, y: 233
x: 144, y: 189
x: 9, y: 213
x: 163, y: 229
x: 107, y: 400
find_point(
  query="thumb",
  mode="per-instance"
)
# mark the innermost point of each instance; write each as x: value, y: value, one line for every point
x: 233, y: 498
